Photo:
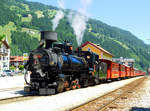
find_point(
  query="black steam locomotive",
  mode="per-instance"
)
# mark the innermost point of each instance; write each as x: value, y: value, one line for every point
x: 55, y: 67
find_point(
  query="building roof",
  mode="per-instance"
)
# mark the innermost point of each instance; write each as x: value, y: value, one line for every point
x: 96, y: 46
x: 6, y: 44
x: 16, y: 58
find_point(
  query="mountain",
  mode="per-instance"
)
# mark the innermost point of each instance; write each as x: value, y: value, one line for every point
x: 21, y: 21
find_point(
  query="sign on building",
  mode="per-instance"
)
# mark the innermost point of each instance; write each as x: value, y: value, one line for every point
x: 25, y: 56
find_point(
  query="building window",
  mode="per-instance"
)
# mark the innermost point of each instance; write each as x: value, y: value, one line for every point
x: 3, y: 58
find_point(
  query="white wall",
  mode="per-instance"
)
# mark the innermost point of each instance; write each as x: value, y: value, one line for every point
x: 4, y: 61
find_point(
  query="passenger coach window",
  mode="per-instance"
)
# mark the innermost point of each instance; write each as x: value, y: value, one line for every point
x: 122, y: 68
x: 103, y: 69
x: 115, y: 67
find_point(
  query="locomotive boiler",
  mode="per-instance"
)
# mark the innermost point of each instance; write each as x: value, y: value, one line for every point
x: 55, y: 67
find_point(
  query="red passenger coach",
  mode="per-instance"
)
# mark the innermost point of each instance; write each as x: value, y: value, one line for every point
x: 136, y: 72
x: 112, y: 69
x: 140, y: 73
x: 131, y: 72
x: 127, y: 68
x: 122, y: 71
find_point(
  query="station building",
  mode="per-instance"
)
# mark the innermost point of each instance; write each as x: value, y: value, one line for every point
x: 103, y: 54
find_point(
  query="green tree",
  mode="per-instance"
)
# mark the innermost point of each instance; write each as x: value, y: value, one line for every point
x: 12, y: 67
x: 2, y: 37
x: 21, y: 67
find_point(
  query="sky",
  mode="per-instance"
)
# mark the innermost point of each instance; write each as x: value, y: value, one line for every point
x: 131, y: 15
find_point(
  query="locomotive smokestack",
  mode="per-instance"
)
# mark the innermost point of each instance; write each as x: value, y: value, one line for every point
x: 49, y: 37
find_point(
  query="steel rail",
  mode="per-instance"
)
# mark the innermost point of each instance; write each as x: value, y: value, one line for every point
x: 102, y: 105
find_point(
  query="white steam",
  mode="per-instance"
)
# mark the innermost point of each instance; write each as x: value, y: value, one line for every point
x: 79, y: 20
x: 59, y: 15
x: 78, y: 24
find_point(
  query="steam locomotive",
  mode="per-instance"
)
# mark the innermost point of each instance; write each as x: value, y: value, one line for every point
x: 55, y: 67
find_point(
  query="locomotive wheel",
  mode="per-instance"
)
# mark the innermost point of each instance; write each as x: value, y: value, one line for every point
x: 75, y: 84
x: 78, y: 86
x: 67, y: 89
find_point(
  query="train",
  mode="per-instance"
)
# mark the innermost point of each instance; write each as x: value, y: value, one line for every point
x: 55, y: 67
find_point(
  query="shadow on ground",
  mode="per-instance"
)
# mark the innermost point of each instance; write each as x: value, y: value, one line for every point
x: 21, y: 92
x: 140, y: 109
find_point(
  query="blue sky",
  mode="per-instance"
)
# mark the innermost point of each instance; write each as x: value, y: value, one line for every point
x: 131, y: 15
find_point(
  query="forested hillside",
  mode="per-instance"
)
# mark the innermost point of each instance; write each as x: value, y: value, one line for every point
x: 22, y: 21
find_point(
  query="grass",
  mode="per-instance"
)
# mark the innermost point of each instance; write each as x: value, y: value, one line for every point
x: 11, y: 27
x: 13, y: 7
x: 51, y: 13
x: 32, y: 32
x: 26, y: 19
x: 39, y: 14
x: 7, y: 30
x: 25, y: 6
x: 123, y: 45
x: 93, y: 33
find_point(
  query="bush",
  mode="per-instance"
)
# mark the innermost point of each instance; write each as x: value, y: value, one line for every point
x: 21, y: 67
x: 12, y: 67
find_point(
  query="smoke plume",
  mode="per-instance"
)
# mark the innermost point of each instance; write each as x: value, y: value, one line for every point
x: 79, y: 20
x: 59, y: 15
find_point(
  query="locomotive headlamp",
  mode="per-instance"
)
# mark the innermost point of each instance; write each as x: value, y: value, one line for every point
x: 88, y: 57
x: 71, y: 48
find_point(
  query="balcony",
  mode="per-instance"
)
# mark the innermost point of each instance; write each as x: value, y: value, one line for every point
x: 3, y: 52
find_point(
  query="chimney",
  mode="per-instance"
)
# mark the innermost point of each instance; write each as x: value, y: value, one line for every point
x: 49, y: 37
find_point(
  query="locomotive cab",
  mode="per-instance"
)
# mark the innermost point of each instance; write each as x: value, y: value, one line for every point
x: 65, y: 47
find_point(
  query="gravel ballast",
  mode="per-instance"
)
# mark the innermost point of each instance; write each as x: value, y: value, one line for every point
x: 137, y: 100
x: 67, y: 100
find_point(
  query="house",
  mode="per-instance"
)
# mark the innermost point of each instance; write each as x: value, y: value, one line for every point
x: 125, y: 61
x: 16, y: 60
x: 103, y: 54
x: 4, y: 55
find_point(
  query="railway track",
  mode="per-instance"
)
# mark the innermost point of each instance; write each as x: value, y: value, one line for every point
x: 17, y: 99
x: 106, y: 102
